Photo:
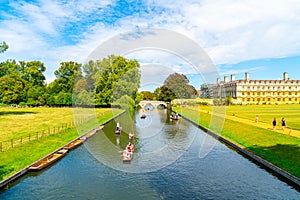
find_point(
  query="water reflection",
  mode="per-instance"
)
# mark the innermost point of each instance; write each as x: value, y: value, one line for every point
x: 157, y: 143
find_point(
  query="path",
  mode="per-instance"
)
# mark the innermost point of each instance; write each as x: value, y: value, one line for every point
x: 287, y: 130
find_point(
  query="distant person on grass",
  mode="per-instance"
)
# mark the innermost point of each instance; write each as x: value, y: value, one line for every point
x: 274, y: 123
x: 283, y: 123
x: 256, y: 118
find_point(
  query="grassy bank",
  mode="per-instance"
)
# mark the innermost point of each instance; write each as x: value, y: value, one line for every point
x: 278, y: 148
x: 15, y: 159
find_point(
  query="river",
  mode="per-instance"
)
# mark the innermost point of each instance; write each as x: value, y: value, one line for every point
x: 166, y: 165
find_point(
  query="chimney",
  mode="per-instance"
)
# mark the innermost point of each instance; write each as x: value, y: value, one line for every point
x: 232, y: 77
x: 218, y: 80
x: 247, y: 76
x: 285, y: 76
x: 225, y: 79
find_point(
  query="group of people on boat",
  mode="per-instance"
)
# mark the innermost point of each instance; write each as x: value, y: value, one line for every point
x: 128, y: 151
x: 174, y: 117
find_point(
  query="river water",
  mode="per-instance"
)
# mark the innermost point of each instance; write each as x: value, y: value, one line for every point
x: 166, y: 165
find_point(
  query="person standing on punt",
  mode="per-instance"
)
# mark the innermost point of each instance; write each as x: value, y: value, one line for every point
x: 130, y: 137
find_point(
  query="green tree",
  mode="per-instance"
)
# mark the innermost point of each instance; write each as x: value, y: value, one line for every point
x: 32, y: 72
x: 10, y: 67
x: 67, y: 74
x: 60, y: 90
x: 163, y: 93
x: 115, y: 76
x: 36, y: 95
x: 179, y: 84
x: 3, y: 47
x: 12, y: 89
x: 81, y: 93
x: 148, y: 95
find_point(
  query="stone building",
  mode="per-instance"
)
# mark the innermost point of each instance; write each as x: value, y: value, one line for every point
x: 248, y: 91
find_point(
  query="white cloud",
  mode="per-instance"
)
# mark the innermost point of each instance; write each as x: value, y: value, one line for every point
x: 229, y: 31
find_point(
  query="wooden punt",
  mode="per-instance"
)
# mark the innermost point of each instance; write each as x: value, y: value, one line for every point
x: 74, y: 144
x: 127, y: 158
x: 143, y: 116
x: 173, y: 118
x: 50, y: 159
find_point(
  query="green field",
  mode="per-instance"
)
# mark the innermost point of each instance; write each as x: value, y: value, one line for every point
x: 278, y: 147
x: 16, y: 122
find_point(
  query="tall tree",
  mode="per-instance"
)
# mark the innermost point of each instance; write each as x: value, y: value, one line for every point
x: 67, y: 74
x: 12, y: 89
x: 61, y: 89
x: 164, y: 93
x: 32, y: 72
x: 10, y: 67
x: 115, y: 77
x: 179, y: 84
x: 147, y: 95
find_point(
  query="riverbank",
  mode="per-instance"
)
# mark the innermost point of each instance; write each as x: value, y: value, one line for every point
x: 17, y: 158
x: 278, y: 148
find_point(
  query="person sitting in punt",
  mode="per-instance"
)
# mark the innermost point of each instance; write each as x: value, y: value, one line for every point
x: 126, y: 154
x: 130, y: 137
x: 130, y: 147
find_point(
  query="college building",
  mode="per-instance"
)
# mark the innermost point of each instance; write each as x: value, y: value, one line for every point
x: 248, y: 91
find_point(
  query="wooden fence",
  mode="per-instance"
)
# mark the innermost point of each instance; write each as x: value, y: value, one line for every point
x: 11, y: 143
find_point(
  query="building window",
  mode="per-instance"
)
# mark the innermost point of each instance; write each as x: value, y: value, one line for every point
x: 290, y: 93
x: 290, y: 99
x: 269, y: 99
x: 278, y: 99
x: 248, y: 99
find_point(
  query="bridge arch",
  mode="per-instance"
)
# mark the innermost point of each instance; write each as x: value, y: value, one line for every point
x: 153, y: 103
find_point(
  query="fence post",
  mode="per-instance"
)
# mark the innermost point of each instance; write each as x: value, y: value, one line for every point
x: 48, y: 131
x: 0, y: 146
x: 29, y: 137
x: 21, y: 139
x: 37, y: 135
x: 12, y: 143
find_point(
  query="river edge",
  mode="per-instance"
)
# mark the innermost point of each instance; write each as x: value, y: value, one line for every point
x: 4, y: 184
x: 281, y: 173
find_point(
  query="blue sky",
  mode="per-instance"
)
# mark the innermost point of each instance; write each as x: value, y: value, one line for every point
x: 261, y: 37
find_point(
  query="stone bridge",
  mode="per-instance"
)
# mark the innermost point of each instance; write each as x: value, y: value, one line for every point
x: 153, y: 103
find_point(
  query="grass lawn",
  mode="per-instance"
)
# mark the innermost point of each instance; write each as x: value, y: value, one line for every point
x: 280, y: 149
x: 31, y: 120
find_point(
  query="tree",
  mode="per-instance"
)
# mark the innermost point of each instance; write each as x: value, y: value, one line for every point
x: 36, y: 96
x: 115, y: 76
x: 67, y: 74
x: 10, y: 67
x: 163, y: 93
x: 148, y: 95
x: 3, y: 47
x: 12, y: 89
x: 61, y: 89
x: 32, y: 72
x: 179, y: 84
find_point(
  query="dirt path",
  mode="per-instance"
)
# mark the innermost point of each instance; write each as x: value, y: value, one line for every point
x: 287, y: 130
